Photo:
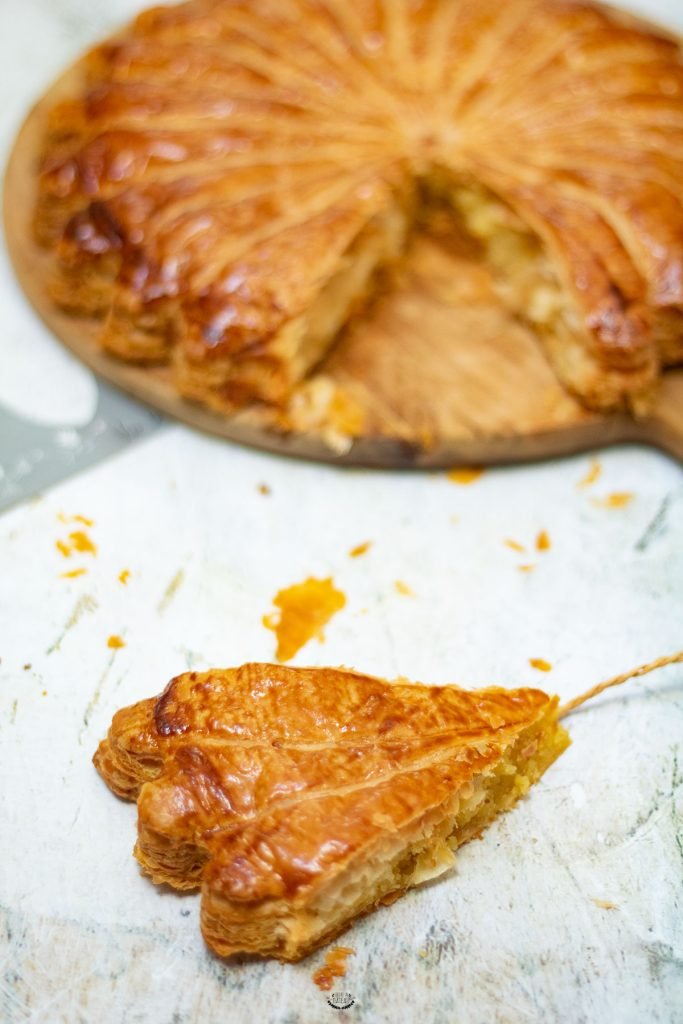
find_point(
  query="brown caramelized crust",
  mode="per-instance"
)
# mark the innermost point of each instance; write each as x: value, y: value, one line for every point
x: 232, y: 176
x: 300, y: 798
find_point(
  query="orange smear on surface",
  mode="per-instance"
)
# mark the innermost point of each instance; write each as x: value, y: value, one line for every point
x: 543, y: 541
x: 403, y: 589
x: 334, y: 967
x: 594, y: 473
x: 465, y: 475
x: 124, y: 576
x: 540, y: 664
x: 115, y: 642
x: 73, y: 574
x: 620, y: 499
x: 514, y: 545
x: 63, y: 548
x: 305, y: 609
x: 360, y: 549
x: 526, y: 568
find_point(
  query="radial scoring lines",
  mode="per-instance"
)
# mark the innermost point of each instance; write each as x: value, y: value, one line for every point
x: 534, y: 98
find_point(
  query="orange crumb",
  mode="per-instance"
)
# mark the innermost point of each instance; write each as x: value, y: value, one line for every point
x: 75, y: 519
x: 540, y: 664
x: 305, y: 609
x: 334, y: 967
x: 81, y: 542
x: 360, y: 549
x: 78, y: 540
x: 115, y: 642
x: 605, y: 904
x: 543, y: 541
x: 526, y: 568
x: 465, y: 475
x: 620, y: 499
x: 73, y: 574
x: 514, y: 544
x: 403, y: 589
x: 264, y: 489
x: 124, y: 576
x: 594, y: 473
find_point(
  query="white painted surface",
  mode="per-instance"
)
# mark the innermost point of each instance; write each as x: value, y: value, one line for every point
x: 514, y: 935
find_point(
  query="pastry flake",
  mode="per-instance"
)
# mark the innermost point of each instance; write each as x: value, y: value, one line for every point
x: 299, y: 799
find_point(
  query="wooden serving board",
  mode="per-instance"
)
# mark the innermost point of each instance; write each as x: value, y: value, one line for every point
x: 441, y: 374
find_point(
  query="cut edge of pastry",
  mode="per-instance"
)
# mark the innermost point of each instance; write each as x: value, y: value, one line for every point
x: 269, y: 370
x: 603, y: 372
x: 584, y: 345
x: 420, y: 852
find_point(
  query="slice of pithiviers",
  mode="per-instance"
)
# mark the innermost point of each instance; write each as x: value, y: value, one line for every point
x: 298, y: 799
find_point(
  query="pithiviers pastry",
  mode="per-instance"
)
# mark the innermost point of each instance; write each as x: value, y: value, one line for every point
x: 230, y: 179
x: 298, y: 799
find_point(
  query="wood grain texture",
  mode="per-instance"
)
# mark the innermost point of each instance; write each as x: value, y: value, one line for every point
x: 442, y: 375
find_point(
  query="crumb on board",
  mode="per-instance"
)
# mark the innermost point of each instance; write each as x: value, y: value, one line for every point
x: 304, y: 609
x: 605, y: 904
x: 27, y: 667
x: 124, y: 576
x: 403, y: 589
x: 78, y: 540
x: 360, y: 549
x: 115, y: 642
x: 334, y: 967
x: 514, y: 545
x: 540, y: 664
x: 81, y: 542
x: 592, y: 475
x: 264, y: 489
x: 526, y: 568
x: 75, y: 519
x: 543, y: 541
x: 74, y: 574
x: 618, y: 499
x: 465, y: 475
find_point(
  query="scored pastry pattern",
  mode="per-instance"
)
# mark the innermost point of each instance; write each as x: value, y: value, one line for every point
x: 300, y: 798
x: 229, y: 179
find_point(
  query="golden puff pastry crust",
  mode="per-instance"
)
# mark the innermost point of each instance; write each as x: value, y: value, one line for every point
x: 233, y: 176
x: 298, y: 799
